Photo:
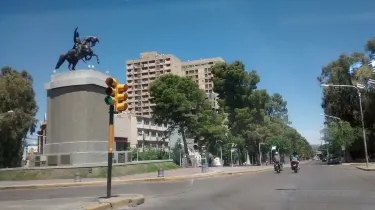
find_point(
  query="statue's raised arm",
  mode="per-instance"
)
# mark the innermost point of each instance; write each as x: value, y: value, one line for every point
x: 76, y: 35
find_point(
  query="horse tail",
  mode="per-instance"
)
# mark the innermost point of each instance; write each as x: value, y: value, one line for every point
x: 61, y: 60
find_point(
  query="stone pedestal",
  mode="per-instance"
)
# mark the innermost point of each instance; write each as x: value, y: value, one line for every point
x: 77, y: 118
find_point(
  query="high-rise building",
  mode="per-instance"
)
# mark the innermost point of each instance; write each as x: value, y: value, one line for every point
x: 200, y: 72
x: 141, y: 72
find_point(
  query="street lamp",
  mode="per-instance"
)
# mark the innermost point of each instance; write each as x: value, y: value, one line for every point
x: 4, y: 113
x: 10, y: 111
x: 341, y: 129
x: 327, y: 142
x: 360, y: 105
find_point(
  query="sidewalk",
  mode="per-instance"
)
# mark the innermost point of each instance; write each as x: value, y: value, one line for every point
x: 169, y: 175
x: 362, y: 166
x: 122, y: 201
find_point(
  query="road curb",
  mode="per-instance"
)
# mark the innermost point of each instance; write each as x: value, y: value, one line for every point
x: 156, y: 179
x: 116, y: 202
x: 365, y: 169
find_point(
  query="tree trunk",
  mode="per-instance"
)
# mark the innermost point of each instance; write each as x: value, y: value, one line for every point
x: 186, y: 150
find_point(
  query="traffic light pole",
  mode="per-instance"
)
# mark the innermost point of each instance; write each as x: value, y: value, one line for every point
x: 110, y: 150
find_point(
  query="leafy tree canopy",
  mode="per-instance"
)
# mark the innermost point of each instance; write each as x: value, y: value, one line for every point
x: 254, y: 114
x: 180, y: 103
x: 17, y: 114
x: 344, y: 102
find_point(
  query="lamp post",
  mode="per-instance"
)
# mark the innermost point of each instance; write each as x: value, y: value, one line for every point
x: 341, y: 129
x: 358, y: 87
x: 4, y: 113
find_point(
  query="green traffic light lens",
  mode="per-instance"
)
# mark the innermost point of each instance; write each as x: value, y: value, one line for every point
x: 108, y: 100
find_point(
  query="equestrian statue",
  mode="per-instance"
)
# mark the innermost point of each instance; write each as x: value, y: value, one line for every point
x: 82, y: 50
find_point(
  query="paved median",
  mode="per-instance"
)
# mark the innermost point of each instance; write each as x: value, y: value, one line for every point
x: 362, y: 166
x: 78, y: 203
x: 116, y: 202
x: 170, y: 175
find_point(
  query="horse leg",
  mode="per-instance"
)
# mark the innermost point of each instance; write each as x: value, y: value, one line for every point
x: 97, y: 58
x: 61, y: 60
x: 74, y: 63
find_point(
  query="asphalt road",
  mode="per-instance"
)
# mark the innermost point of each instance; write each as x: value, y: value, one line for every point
x: 316, y: 186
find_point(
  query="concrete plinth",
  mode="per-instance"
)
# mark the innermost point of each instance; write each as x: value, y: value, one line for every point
x: 77, y: 117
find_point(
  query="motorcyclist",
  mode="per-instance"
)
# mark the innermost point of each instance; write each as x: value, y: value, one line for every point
x: 294, y: 159
x: 276, y: 160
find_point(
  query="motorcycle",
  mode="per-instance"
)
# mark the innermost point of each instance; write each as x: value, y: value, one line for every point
x: 277, y: 167
x: 295, y: 167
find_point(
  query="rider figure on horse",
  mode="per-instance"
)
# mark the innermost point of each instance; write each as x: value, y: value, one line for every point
x: 87, y: 42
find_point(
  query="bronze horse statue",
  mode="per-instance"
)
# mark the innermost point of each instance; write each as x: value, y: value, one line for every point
x: 82, y: 50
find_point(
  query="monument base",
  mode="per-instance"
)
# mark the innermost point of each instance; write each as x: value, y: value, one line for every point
x: 77, y: 118
x: 78, y: 158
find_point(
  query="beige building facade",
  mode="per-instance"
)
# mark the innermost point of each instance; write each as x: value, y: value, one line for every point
x: 141, y: 72
x: 133, y: 131
x: 150, y: 65
x: 200, y: 72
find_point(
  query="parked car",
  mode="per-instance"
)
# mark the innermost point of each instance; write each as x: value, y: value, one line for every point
x: 334, y: 160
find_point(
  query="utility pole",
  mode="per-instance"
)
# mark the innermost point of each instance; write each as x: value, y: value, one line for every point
x: 110, y: 150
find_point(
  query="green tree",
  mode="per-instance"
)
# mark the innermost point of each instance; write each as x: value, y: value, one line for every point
x: 177, y: 101
x: 209, y: 129
x: 253, y: 114
x: 234, y: 86
x: 342, y: 134
x: 344, y: 102
x: 17, y: 95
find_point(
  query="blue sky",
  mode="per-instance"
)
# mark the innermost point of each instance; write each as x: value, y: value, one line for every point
x: 286, y: 41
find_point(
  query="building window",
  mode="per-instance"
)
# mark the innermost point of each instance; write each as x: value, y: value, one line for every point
x: 139, y: 132
x: 153, y: 133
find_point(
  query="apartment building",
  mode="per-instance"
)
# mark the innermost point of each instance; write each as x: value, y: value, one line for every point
x: 200, y: 72
x: 133, y: 131
x: 141, y: 72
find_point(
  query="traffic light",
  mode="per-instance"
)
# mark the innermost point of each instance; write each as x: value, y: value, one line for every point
x: 116, y: 94
x: 42, y: 127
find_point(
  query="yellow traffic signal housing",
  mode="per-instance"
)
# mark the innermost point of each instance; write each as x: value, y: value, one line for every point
x: 42, y: 127
x: 116, y: 94
x: 110, y: 91
x: 121, y: 97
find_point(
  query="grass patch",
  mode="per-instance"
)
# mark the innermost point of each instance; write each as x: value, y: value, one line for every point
x: 96, y: 172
